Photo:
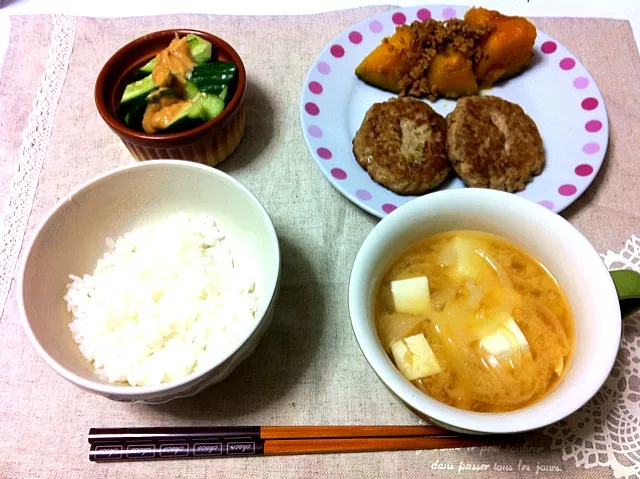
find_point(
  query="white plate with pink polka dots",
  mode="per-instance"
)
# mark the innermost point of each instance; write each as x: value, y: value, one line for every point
x: 557, y: 92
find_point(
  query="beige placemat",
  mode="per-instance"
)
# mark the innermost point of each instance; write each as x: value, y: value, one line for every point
x: 308, y: 368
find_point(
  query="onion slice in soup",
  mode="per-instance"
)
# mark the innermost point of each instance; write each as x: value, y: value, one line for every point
x: 396, y: 326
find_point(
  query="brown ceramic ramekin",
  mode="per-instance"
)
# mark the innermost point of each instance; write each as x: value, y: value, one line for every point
x: 209, y: 143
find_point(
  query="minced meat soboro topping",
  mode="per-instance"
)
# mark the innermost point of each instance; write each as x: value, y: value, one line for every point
x: 430, y: 37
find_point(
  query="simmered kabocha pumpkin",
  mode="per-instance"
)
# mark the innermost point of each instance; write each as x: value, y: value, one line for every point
x: 382, y: 66
x: 451, y: 75
x: 506, y: 50
x: 462, y: 59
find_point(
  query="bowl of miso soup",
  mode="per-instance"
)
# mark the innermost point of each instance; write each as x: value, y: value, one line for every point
x: 484, y: 312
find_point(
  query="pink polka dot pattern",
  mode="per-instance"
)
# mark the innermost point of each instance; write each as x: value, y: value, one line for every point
x: 581, y: 83
x: 363, y: 195
x: 315, y: 87
x: 324, y: 153
x: 567, y: 190
x: 591, y: 148
x: 399, y: 18
x: 589, y: 104
x: 584, y: 170
x: 375, y: 26
x: 311, y: 108
x: 424, y: 14
x: 315, y: 131
x: 448, y: 13
x: 338, y: 174
x: 567, y: 63
x: 388, y: 208
x: 337, y: 51
x: 324, y: 68
x: 586, y: 118
x: 355, y: 37
x: 549, y: 47
x: 593, y: 126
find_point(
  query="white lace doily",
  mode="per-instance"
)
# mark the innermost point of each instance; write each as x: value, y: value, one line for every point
x: 606, y: 431
x: 32, y: 151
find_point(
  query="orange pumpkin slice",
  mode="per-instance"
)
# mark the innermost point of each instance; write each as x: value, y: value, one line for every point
x: 380, y: 67
x: 508, y: 47
x: 451, y: 75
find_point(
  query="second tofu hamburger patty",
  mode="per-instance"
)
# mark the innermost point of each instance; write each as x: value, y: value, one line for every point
x: 402, y: 145
x: 493, y: 143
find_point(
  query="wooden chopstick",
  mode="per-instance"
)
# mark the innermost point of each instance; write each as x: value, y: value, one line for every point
x: 366, y: 444
x: 259, y: 432
x: 203, y: 448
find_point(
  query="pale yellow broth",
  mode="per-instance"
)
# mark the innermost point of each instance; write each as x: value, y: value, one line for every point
x: 465, y: 310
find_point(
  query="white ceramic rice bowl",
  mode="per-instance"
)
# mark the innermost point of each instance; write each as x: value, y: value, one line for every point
x: 71, y: 239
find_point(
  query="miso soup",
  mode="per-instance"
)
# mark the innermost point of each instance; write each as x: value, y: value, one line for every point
x: 475, y: 322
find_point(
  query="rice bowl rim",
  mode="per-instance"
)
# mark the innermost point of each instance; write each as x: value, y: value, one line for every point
x: 118, y: 391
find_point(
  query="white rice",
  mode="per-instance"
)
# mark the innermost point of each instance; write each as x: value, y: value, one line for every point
x: 165, y: 302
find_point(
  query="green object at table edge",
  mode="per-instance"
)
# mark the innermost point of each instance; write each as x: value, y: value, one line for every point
x: 627, y: 283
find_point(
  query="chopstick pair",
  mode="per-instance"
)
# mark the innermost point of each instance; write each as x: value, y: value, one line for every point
x: 123, y: 444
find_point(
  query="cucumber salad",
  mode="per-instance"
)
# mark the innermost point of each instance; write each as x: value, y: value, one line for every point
x: 182, y: 87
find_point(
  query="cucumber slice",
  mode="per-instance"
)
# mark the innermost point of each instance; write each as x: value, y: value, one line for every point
x: 212, y: 89
x: 210, y: 69
x: 199, y: 49
x: 217, y: 79
x: 133, y: 116
x: 223, y: 94
x: 190, y: 115
x: 203, y: 108
x: 155, y: 95
x: 190, y: 90
x: 212, y: 106
x: 138, y: 89
x: 148, y: 67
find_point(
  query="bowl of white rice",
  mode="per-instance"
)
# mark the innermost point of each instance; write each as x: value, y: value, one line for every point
x: 151, y: 282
